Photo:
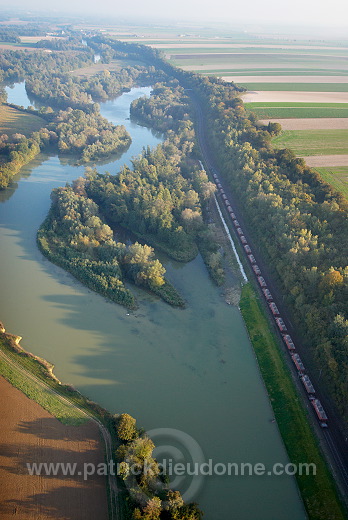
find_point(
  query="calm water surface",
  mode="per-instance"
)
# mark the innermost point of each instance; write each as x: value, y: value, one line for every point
x: 191, y: 370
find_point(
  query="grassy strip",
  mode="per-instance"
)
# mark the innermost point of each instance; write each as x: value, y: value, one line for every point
x: 297, y: 87
x: 67, y: 414
x: 313, y: 142
x: 318, y: 492
x: 337, y: 176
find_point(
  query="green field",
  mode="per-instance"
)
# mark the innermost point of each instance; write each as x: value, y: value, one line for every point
x: 337, y: 176
x: 297, y: 87
x: 313, y: 142
x: 14, y: 121
x: 297, y: 110
x: 318, y: 492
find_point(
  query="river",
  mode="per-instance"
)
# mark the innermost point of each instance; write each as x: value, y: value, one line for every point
x: 190, y: 370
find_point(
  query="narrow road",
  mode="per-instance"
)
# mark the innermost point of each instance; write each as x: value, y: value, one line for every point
x: 114, y: 511
x: 335, y: 446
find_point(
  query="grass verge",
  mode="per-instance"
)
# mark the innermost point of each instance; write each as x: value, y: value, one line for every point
x: 313, y: 142
x: 66, y: 412
x: 337, y: 176
x: 318, y: 492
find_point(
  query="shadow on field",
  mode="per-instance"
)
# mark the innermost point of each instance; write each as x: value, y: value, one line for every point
x: 50, y: 428
x: 63, y: 502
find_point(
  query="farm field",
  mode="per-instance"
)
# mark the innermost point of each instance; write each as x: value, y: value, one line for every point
x: 313, y: 142
x: 327, y: 161
x: 312, y: 80
x: 30, y: 434
x: 298, y: 110
x: 325, y: 123
x: 300, y: 83
x: 298, y: 87
x: 14, y: 121
x: 295, y: 97
x: 336, y: 176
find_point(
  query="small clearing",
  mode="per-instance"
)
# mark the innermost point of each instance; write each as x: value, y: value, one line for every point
x: 15, y: 121
x: 94, y: 69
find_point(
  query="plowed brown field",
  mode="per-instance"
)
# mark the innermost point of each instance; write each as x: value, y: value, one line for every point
x: 30, y: 434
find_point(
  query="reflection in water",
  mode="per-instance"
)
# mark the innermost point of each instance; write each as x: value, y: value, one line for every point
x: 192, y: 370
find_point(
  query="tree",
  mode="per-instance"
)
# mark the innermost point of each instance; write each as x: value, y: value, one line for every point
x: 126, y: 429
x: 151, y: 511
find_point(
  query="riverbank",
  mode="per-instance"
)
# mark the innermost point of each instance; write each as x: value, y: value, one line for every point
x: 70, y: 410
x: 318, y: 491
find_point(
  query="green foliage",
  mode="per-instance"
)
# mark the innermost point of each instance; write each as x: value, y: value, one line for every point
x: 74, y: 237
x: 16, y: 154
x: 90, y: 136
x: 125, y: 427
x: 299, y: 223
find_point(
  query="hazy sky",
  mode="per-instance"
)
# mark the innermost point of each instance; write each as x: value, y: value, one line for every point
x: 302, y: 12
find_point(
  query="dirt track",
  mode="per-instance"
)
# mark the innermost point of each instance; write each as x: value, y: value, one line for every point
x: 326, y: 160
x: 316, y: 123
x: 294, y: 97
x: 30, y: 434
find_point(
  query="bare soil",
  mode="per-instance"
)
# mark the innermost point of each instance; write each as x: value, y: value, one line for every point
x: 325, y: 123
x: 30, y: 434
x: 294, y: 97
x: 286, y: 79
x: 326, y: 160
x: 216, y: 45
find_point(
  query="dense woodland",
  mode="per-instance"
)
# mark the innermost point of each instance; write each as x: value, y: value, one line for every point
x: 164, y: 196
x: 75, y: 237
x: 88, y: 135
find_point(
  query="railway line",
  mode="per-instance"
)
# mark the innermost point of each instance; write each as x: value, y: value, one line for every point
x: 335, y: 446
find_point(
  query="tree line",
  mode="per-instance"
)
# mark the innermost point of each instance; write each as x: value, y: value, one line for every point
x: 299, y: 223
